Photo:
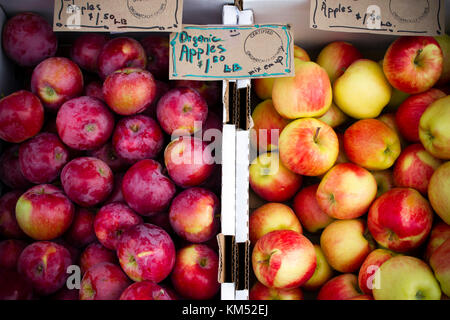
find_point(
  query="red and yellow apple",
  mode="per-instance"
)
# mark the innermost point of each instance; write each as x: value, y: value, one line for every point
x: 307, y: 94
x: 267, y: 127
x: 261, y: 292
x: 308, y: 210
x: 439, y: 234
x: 413, y: 64
x: 371, y: 144
x: 341, y: 287
x: 414, y: 168
x: 308, y: 147
x: 400, y: 219
x: 271, y: 180
x: 346, y: 244
x: 346, y: 191
x: 336, y: 57
x: 440, y: 263
x: 270, y: 217
x: 283, y: 259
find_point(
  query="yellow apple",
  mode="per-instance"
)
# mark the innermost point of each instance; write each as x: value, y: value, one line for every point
x: 362, y: 91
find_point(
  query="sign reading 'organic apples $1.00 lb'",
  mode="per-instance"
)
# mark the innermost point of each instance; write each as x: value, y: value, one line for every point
x: 215, y: 52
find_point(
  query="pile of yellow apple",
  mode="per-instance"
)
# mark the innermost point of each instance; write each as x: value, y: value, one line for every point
x: 351, y: 177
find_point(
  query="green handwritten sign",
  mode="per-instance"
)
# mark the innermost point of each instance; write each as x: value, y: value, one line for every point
x: 215, y: 52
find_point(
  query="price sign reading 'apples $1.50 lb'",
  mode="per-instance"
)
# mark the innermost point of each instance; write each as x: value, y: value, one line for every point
x: 215, y: 52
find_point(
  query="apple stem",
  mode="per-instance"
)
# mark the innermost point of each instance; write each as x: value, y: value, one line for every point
x: 316, y: 135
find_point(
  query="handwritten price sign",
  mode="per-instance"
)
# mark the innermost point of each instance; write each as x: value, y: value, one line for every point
x: 118, y: 15
x: 405, y: 17
x: 217, y: 52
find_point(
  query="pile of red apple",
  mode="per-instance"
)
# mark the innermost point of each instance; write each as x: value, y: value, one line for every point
x: 351, y: 185
x: 98, y: 171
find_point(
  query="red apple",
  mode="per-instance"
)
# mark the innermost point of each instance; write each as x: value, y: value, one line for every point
x: 107, y: 154
x: 146, y: 189
x: 122, y: 100
x: 408, y: 114
x: 81, y: 232
x: 55, y: 81
x: 10, y: 172
x: 42, y: 158
x: 87, y: 181
x: 146, y: 252
x: 145, y: 290
x: 10, y: 251
x: 28, y: 39
x: 414, y: 168
x: 44, y: 212
x: 413, y: 64
x: 271, y: 180
x: 86, y: 49
x: 271, y: 217
x: 336, y: 57
x: 104, y: 281
x: 21, y: 116
x: 189, y: 162
x: 193, y: 214
x: 346, y: 244
x: 209, y: 90
x: 308, y: 210
x: 371, y: 144
x: 342, y: 287
x: 45, y: 264
x: 267, y: 127
x: 94, y: 254
x: 181, y: 111
x: 308, y: 147
x: 283, y: 259
x: 439, y: 234
x: 260, y: 292
x: 9, y: 228
x: 137, y: 137
x: 157, y: 51
x: 194, y: 275
x: 346, y: 191
x: 366, y: 275
x: 400, y: 219
x: 111, y: 222
x: 84, y: 123
x: 118, y: 53
x: 94, y: 89
x: 13, y: 286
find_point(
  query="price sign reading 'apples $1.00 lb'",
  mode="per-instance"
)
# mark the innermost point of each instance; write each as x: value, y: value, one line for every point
x: 216, y: 52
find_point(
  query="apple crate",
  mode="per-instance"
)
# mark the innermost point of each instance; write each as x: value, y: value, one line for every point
x: 13, y: 78
x: 259, y: 109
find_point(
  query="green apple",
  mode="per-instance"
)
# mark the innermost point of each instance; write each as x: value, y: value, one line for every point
x: 406, y: 278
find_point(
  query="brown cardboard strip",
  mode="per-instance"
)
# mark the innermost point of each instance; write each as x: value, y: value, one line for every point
x: 227, y: 262
x: 219, y: 52
x: 396, y: 17
x: 118, y: 15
